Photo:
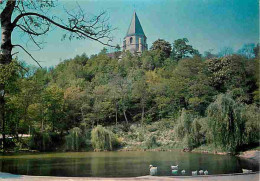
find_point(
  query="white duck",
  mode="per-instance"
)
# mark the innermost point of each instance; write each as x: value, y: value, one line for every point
x: 194, y: 173
x: 153, y: 170
x: 206, y: 172
x: 174, y: 167
x: 183, y: 172
x: 246, y: 170
x: 201, y: 172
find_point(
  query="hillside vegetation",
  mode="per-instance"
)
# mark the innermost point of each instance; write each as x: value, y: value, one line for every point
x: 165, y: 98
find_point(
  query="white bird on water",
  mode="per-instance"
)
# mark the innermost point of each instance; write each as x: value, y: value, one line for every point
x: 201, y: 172
x: 174, y: 167
x: 246, y: 170
x: 206, y: 172
x: 153, y: 170
x: 183, y: 172
x: 194, y: 172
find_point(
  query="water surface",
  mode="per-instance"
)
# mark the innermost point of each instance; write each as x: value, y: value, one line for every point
x: 119, y: 164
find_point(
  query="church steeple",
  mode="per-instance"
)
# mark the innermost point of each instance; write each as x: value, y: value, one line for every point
x: 135, y: 39
x: 135, y: 27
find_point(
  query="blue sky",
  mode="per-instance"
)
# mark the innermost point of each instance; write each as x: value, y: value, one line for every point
x: 208, y: 24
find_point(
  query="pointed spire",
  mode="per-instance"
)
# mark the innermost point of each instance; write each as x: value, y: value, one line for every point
x: 135, y: 27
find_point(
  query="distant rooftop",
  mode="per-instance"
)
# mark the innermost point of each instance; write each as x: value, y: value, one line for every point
x: 135, y: 27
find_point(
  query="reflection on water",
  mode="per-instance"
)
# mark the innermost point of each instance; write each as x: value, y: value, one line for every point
x: 119, y: 164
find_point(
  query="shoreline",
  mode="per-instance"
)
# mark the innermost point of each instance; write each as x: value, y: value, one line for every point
x: 249, y: 154
x: 223, y: 177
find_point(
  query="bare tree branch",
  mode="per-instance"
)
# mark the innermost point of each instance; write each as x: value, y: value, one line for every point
x: 28, y: 53
x: 22, y: 67
x: 30, y: 31
x: 81, y: 30
x: 14, y: 53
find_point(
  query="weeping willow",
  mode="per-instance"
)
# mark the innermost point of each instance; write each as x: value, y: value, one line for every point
x: 188, y: 130
x: 183, y: 126
x: 73, y: 140
x: 252, y: 127
x: 45, y: 140
x: 226, y: 122
x: 101, y: 138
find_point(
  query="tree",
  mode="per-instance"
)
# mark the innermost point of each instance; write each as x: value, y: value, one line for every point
x: 226, y: 122
x: 247, y: 50
x: 208, y: 54
x: 163, y: 46
x: 33, y: 19
x: 117, y: 51
x: 181, y: 49
x: 256, y: 50
x: 53, y: 100
x: 104, y: 51
x: 225, y: 51
x: 124, y: 92
x: 228, y: 72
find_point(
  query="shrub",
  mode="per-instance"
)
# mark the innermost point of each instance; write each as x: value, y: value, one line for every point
x: 141, y: 135
x: 152, y: 129
x: 151, y: 142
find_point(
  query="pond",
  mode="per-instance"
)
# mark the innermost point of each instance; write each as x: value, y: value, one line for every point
x: 119, y: 164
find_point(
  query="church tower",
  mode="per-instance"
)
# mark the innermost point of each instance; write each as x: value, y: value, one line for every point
x: 135, y: 39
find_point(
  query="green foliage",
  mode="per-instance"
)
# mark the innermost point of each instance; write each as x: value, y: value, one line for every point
x: 252, y: 127
x: 8, y: 72
x: 139, y: 96
x: 53, y: 100
x: 181, y: 49
x: 231, y: 72
x: 103, y: 139
x: 74, y: 139
x: 183, y: 126
x: 189, y: 130
x: 43, y: 141
x: 151, y: 142
x: 197, y: 135
x: 163, y: 47
x: 226, y: 122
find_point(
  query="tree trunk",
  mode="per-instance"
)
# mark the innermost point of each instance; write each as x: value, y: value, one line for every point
x: 2, y: 115
x: 142, y: 119
x: 42, y: 125
x: 125, y: 117
x: 6, y: 55
x: 116, y: 115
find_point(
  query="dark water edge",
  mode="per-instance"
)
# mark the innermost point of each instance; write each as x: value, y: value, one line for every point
x: 120, y: 164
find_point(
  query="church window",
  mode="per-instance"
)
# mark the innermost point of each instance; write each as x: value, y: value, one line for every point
x: 131, y: 40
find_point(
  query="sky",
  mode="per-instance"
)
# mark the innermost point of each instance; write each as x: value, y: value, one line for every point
x: 207, y: 24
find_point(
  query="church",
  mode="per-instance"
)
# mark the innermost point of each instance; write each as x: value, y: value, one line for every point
x: 135, y: 40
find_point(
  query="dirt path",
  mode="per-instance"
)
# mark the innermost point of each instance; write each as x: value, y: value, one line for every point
x: 233, y: 177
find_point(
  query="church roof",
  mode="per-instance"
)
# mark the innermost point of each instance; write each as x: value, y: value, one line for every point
x: 135, y: 27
